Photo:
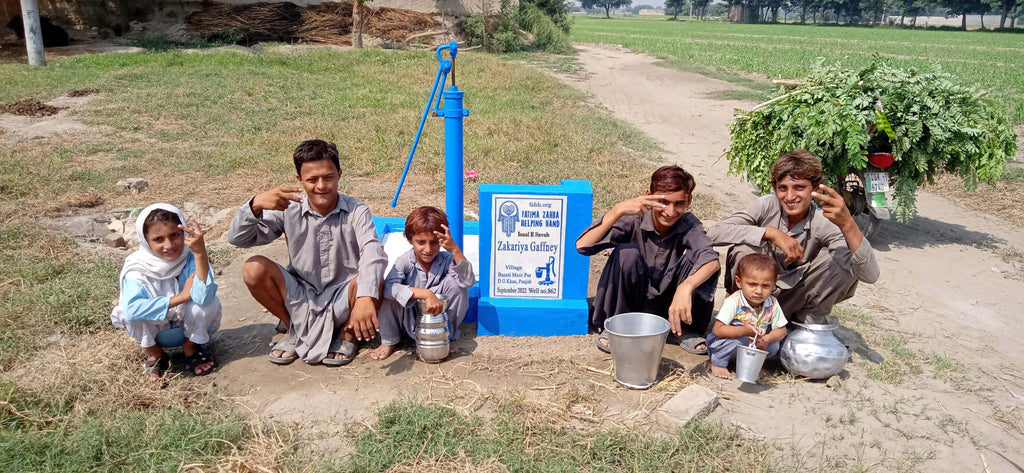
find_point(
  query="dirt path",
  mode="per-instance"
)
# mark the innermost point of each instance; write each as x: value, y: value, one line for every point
x: 945, y: 290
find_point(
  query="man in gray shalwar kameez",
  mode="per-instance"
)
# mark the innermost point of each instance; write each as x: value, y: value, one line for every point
x: 821, y: 252
x: 329, y: 294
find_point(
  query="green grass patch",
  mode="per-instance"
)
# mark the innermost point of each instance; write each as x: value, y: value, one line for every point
x: 521, y: 440
x: 186, y: 119
x: 46, y: 289
x: 767, y: 51
x: 1015, y: 175
x: 162, y: 440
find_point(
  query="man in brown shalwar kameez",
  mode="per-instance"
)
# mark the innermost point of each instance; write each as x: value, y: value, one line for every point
x: 821, y: 252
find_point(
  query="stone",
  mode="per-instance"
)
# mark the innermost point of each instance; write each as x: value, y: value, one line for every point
x: 114, y: 240
x: 85, y: 227
x: 692, y: 403
x: 223, y: 215
x: 132, y: 185
x: 835, y: 382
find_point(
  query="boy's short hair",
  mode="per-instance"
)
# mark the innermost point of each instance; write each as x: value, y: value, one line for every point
x: 424, y: 219
x: 672, y: 178
x: 156, y: 216
x: 757, y: 262
x: 314, y: 150
x: 797, y: 164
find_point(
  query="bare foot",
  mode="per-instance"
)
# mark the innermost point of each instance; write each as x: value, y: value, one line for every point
x: 763, y: 373
x: 383, y: 352
x: 721, y: 372
x: 451, y: 348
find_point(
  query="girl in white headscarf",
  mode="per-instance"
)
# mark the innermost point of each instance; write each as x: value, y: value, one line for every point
x: 168, y: 283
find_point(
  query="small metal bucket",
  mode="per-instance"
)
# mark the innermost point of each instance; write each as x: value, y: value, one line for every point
x: 748, y: 363
x: 636, y: 340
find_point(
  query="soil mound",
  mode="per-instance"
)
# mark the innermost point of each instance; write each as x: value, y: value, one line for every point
x: 29, y: 108
x: 83, y: 92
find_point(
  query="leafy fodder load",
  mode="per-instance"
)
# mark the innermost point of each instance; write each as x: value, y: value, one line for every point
x: 932, y: 123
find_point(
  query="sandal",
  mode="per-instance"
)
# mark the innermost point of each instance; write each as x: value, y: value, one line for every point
x: 158, y: 366
x: 343, y: 347
x: 601, y: 346
x: 689, y: 344
x: 287, y: 345
x: 200, y: 357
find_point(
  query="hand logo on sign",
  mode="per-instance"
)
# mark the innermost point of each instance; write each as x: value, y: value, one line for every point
x: 508, y: 215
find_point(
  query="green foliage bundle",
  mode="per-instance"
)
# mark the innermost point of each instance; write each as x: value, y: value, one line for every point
x: 932, y: 124
x: 547, y: 36
x: 506, y: 33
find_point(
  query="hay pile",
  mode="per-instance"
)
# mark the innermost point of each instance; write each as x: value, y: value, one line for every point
x: 329, y: 23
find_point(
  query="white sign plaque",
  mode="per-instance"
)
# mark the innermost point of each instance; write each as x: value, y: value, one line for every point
x: 528, y: 246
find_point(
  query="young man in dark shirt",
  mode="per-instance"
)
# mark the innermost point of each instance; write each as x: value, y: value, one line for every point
x: 662, y: 261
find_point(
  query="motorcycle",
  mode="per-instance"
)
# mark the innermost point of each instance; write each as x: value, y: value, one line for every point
x: 868, y: 192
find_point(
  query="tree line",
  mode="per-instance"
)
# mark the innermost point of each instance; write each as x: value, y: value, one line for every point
x: 897, y: 12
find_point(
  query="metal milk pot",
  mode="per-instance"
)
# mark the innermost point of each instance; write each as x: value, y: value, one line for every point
x: 812, y: 350
x: 433, y: 334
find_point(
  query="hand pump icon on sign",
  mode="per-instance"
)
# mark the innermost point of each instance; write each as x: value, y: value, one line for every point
x: 548, y: 271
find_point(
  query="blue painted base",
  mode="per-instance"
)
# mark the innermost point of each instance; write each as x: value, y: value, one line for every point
x: 396, y: 225
x: 522, y: 317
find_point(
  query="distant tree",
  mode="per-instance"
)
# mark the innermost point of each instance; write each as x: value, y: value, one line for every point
x: 608, y: 5
x: 962, y: 8
x: 674, y: 7
x: 1005, y: 7
x: 700, y: 7
x: 875, y: 9
x: 636, y: 8
x: 715, y: 10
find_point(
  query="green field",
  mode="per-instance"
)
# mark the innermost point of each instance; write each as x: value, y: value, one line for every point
x: 994, y: 61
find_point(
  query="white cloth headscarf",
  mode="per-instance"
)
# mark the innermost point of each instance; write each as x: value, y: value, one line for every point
x: 158, y: 276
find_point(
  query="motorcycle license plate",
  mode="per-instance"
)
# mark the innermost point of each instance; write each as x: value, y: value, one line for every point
x: 877, y: 181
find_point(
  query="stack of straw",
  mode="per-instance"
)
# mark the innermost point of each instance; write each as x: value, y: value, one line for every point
x: 329, y: 23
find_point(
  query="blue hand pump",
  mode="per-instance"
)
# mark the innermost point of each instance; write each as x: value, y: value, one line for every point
x: 453, y: 114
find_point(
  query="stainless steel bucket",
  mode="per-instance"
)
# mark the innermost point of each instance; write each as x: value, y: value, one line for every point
x: 748, y: 363
x: 636, y: 340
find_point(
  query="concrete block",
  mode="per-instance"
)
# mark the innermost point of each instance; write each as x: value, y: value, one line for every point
x: 693, y: 402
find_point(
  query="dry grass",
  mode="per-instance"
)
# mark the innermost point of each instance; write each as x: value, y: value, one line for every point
x: 1004, y: 199
x: 461, y: 464
x: 329, y: 23
x: 263, y: 451
x: 100, y: 372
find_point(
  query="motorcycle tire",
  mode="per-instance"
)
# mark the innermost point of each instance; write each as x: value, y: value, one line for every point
x: 868, y: 223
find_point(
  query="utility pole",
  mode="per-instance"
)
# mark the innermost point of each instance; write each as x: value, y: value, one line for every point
x: 33, y: 33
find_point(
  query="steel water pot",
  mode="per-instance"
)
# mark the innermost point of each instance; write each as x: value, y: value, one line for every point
x: 432, y: 335
x: 812, y: 350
